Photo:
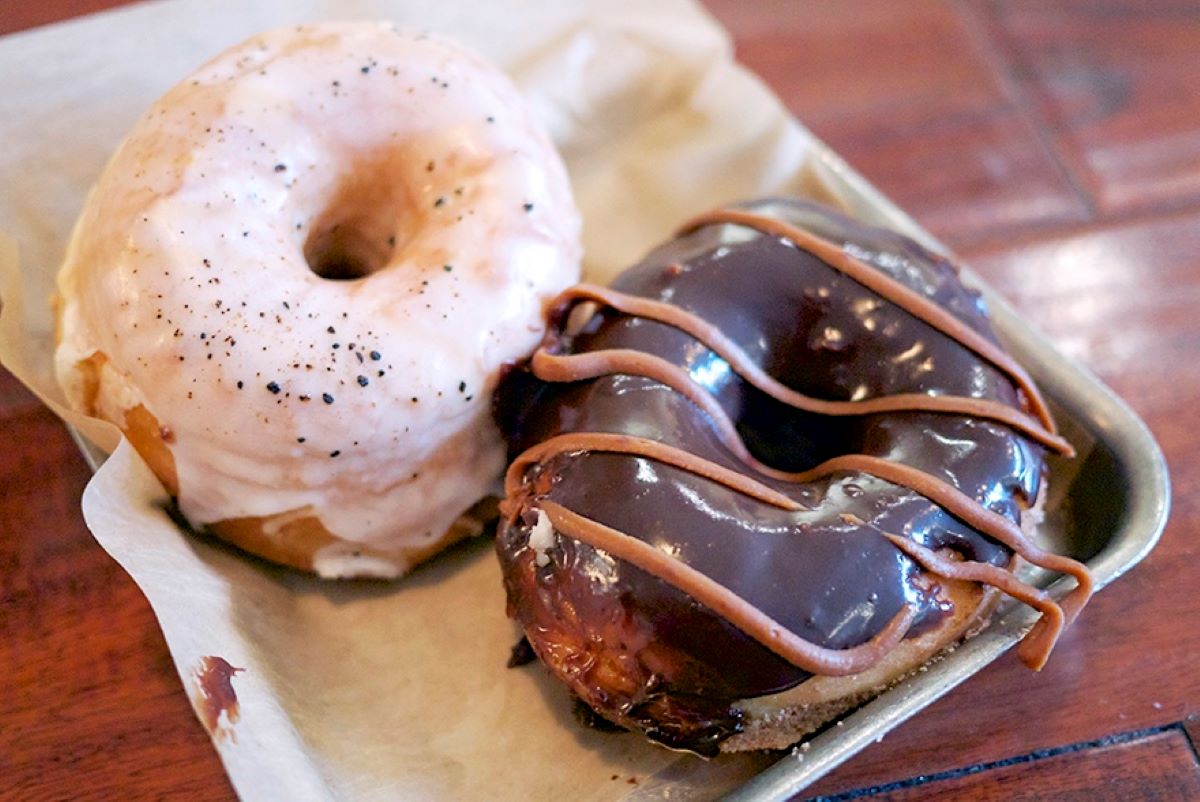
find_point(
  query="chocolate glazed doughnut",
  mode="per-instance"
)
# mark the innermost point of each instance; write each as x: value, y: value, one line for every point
x: 782, y: 462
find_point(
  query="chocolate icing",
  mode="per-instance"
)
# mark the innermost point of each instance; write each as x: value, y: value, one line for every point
x: 935, y: 438
x: 215, y: 696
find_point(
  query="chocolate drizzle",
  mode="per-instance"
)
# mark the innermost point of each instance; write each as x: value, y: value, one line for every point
x: 551, y: 367
x: 661, y: 452
x: 719, y: 599
x: 648, y: 392
x: 913, y: 302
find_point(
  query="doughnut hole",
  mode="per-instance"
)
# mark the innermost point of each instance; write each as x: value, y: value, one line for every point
x: 369, y: 218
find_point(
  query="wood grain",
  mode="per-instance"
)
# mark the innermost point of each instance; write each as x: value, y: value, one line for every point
x: 1056, y: 143
x: 1161, y: 767
x: 90, y: 690
x: 1115, y: 82
x: 903, y: 92
x: 1191, y: 727
x: 1122, y: 299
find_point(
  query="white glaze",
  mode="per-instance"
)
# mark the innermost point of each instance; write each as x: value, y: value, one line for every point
x: 195, y: 234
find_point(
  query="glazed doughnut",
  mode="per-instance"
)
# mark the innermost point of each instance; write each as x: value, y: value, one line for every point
x: 295, y: 283
x: 781, y: 463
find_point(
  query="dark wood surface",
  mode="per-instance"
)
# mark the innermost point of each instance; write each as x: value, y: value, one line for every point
x: 1056, y: 145
x: 1159, y: 766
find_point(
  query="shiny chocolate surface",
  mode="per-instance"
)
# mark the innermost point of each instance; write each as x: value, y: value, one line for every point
x: 825, y: 572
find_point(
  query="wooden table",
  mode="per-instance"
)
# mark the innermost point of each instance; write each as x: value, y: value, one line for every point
x: 1056, y: 145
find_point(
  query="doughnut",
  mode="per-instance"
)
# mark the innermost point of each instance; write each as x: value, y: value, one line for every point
x: 775, y: 467
x: 295, y: 283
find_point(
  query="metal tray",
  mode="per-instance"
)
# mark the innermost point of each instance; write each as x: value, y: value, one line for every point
x: 1107, y: 507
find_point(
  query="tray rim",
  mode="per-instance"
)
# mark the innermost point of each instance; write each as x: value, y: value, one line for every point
x: 1060, y: 376
x: 1120, y: 429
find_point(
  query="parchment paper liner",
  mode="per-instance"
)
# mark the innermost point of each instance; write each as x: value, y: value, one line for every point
x: 387, y: 690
